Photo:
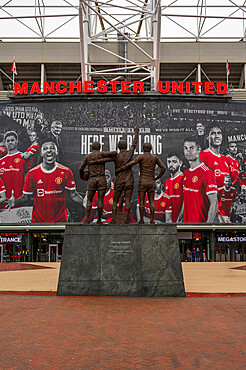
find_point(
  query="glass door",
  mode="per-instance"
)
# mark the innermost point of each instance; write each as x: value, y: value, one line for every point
x: 53, y: 253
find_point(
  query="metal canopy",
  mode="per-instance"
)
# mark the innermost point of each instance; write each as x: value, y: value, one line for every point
x: 192, y: 20
x: 97, y: 24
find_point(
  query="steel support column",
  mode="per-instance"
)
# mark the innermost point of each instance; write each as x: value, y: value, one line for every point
x: 43, y: 75
x: 199, y: 75
x: 83, y: 30
x: 156, y: 42
x: 212, y: 243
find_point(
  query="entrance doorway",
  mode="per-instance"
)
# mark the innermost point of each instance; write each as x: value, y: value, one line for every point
x: 53, y: 253
x: 47, y: 247
x: 230, y: 253
x: 1, y: 253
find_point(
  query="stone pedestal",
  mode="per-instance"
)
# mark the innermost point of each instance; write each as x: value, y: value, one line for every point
x: 121, y: 260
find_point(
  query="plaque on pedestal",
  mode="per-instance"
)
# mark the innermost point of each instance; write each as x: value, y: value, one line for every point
x: 121, y: 260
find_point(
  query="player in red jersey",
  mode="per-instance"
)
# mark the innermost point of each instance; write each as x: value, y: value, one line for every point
x: 242, y: 177
x: 212, y: 158
x: 31, y: 153
x: 163, y: 206
x: 48, y: 183
x: 174, y: 185
x: 12, y: 166
x: 234, y: 164
x: 226, y: 196
x: 2, y: 193
x: 199, y: 186
x: 3, y: 150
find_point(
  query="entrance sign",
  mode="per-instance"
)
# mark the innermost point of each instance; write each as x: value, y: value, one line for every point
x: 11, y: 239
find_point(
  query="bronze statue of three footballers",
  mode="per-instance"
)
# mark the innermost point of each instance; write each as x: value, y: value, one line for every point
x: 124, y: 177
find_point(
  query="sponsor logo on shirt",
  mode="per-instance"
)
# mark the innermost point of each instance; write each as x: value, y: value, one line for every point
x: 217, y: 172
x: 194, y: 179
x: 40, y: 192
x: 10, y: 169
x: 176, y: 186
x: 58, y: 180
x: 1, y: 171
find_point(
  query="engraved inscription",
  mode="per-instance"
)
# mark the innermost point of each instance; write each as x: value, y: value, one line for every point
x: 121, y: 247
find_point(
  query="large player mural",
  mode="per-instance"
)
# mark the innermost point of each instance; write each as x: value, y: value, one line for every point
x: 201, y: 143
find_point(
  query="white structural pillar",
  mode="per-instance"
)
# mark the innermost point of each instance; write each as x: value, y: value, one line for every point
x: 83, y: 28
x: 43, y: 76
x: 242, y: 82
x: 1, y: 83
x: 244, y: 68
x: 199, y: 75
x: 156, y: 42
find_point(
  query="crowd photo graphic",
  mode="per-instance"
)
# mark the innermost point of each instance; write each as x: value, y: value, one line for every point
x: 202, y: 145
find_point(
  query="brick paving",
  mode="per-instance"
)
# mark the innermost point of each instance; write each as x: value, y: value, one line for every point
x: 122, y: 333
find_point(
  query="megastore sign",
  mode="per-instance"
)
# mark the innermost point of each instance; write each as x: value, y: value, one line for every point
x: 201, y: 143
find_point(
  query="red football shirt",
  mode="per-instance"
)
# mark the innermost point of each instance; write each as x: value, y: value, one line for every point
x: 225, y: 198
x: 174, y: 188
x: 197, y: 184
x: 49, y: 190
x: 242, y: 178
x: 2, y: 186
x: 32, y: 161
x: 2, y: 190
x: 234, y: 167
x: 12, y: 169
x: 3, y: 151
x: 162, y: 204
x: 218, y: 163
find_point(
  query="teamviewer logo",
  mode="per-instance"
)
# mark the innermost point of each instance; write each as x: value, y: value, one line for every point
x: 40, y: 192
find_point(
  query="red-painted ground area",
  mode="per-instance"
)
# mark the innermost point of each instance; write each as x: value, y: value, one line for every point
x: 213, y: 295
x: 122, y: 333
x: 15, y: 266
x: 239, y: 268
x: 30, y: 292
x: 187, y: 294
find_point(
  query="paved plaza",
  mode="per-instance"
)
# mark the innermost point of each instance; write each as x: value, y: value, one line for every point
x: 210, y: 277
x: 204, y: 330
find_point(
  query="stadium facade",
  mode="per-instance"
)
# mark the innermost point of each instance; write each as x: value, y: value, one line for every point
x: 165, y: 121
